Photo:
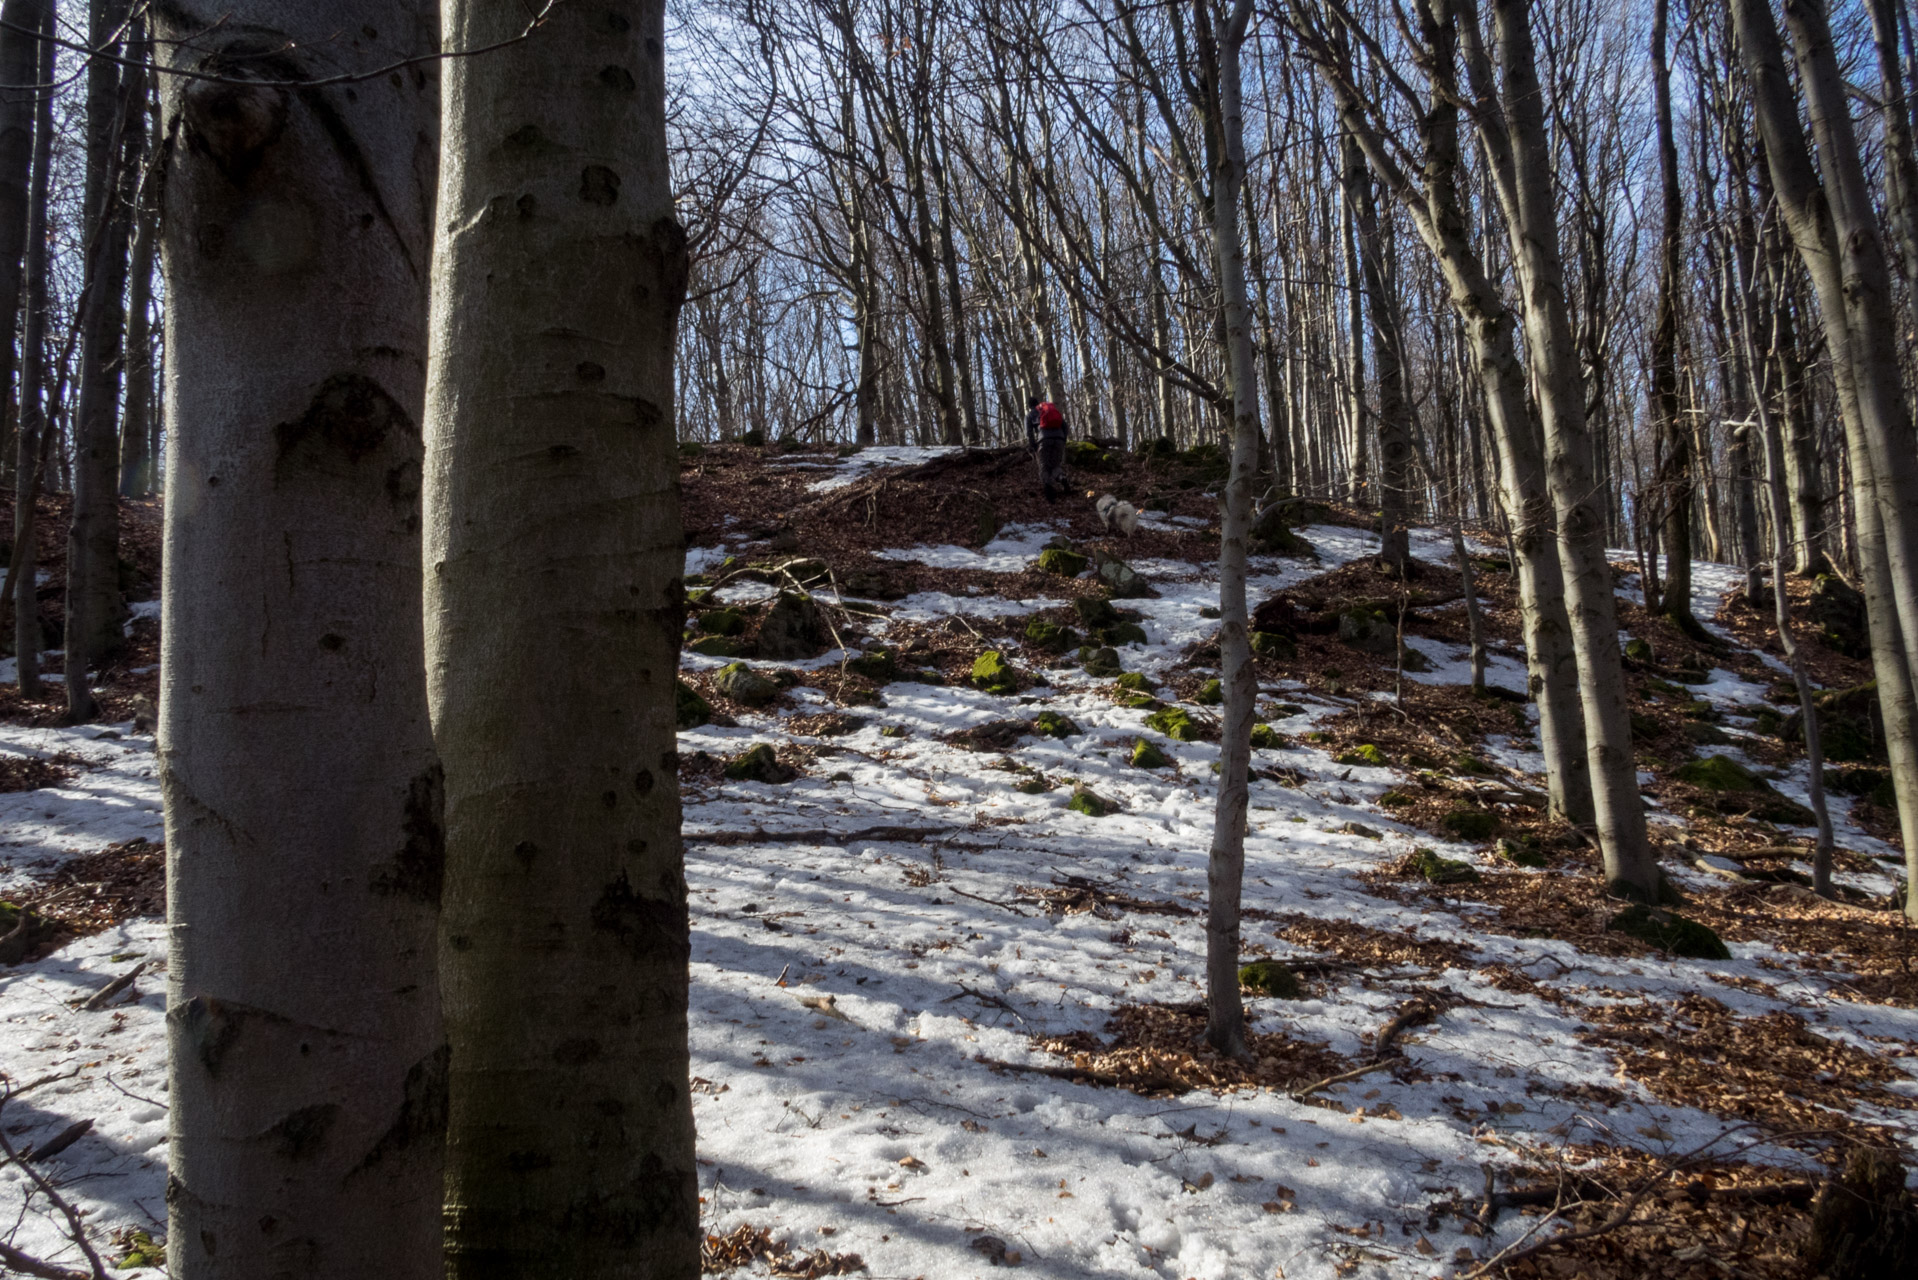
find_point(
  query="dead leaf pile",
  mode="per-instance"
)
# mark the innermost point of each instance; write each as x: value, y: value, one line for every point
x: 1157, y: 1050
x: 747, y: 1245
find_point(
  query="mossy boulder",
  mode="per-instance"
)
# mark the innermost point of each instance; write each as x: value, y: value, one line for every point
x: 1174, y: 722
x: 1523, y: 852
x: 1470, y: 765
x: 1669, y: 931
x: 759, y: 764
x: 689, y: 709
x: 722, y: 622
x: 1087, y: 456
x: 1719, y: 773
x: 1121, y: 580
x: 1101, y: 663
x: 1850, y: 725
x: 1838, y: 611
x: 1137, y: 681
x: 1147, y: 756
x: 1637, y: 650
x: 1270, y: 978
x: 991, y: 672
x: 743, y: 684
x: 791, y: 628
x: 1871, y: 785
x: 1270, y: 644
x: 1704, y: 735
x: 1060, y: 561
x: 874, y: 664
x: 1266, y: 738
x: 872, y: 584
x: 1050, y: 636
x: 1119, y: 633
x: 1036, y: 786
x: 1140, y: 702
x: 1368, y: 631
x: 1644, y: 727
x: 1364, y: 754
x: 1051, y: 724
x: 1433, y: 869
x: 1085, y: 800
x: 691, y: 448
x: 719, y: 647
x: 1469, y: 823
x: 1271, y: 534
x: 1095, y: 612
x: 1210, y: 694
x: 1395, y: 800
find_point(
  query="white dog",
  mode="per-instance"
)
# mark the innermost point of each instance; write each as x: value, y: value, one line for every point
x: 1116, y: 515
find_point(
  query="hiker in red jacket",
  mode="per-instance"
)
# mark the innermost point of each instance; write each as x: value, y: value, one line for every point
x: 1046, y: 435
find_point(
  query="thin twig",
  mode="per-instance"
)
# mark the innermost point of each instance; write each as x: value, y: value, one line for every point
x: 1300, y: 1095
x: 76, y: 1228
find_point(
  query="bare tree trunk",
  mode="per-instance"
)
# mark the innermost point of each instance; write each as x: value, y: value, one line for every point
x: 308, y: 1065
x: 1388, y: 347
x: 1675, y: 488
x: 551, y: 494
x: 19, y: 70
x: 137, y: 469
x: 1630, y: 866
x: 30, y: 454
x: 94, y: 605
x: 1225, y: 875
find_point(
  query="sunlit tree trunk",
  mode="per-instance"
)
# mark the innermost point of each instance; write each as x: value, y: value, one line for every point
x: 554, y: 606
x: 308, y: 1068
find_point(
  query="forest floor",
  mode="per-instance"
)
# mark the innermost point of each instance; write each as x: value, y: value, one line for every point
x: 943, y: 1022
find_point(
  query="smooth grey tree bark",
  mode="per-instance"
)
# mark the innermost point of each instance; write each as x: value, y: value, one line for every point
x: 1674, y: 480
x: 302, y: 793
x: 94, y: 605
x: 28, y: 451
x: 19, y: 70
x: 554, y: 609
x: 1224, y: 30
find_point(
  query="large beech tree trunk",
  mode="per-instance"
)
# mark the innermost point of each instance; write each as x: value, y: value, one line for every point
x: 302, y: 795
x: 553, y: 567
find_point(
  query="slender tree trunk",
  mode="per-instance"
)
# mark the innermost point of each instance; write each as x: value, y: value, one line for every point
x: 137, y: 470
x: 1630, y: 866
x: 308, y: 1093
x: 1675, y: 486
x: 1225, y: 876
x: 27, y: 639
x: 1394, y: 415
x: 94, y: 606
x: 19, y: 70
x: 551, y: 494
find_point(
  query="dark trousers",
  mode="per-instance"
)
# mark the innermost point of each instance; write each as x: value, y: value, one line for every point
x: 1052, y: 464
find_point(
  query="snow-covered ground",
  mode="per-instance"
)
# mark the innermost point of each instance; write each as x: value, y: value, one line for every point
x: 848, y: 1107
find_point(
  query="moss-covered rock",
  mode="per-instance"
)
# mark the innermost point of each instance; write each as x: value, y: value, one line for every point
x: 991, y: 672
x: 1644, y: 727
x: 791, y: 628
x: 1060, y: 561
x: 1364, y: 754
x: 1036, y: 786
x: 689, y: 709
x: 1368, y: 631
x: 1095, y: 612
x: 1121, y: 580
x: 1637, y: 650
x: 1469, y: 823
x: 1395, y: 799
x: 722, y: 622
x: 1270, y: 644
x: 1470, y: 765
x: 1669, y: 931
x: 1119, y: 633
x: 1524, y: 852
x: 1871, y: 785
x: 1210, y: 694
x: 1850, y: 725
x: 1719, y: 773
x: 1087, y: 456
x: 1101, y: 663
x: 1147, y: 756
x: 1085, y: 800
x: 759, y: 763
x: 874, y: 664
x: 1270, y: 978
x: 1704, y: 735
x: 1137, y: 681
x: 719, y: 647
x: 1140, y: 702
x: 1838, y: 611
x: 743, y: 684
x: 1050, y: 636
x: 1174, y: 722
x: 895, y: 731
x: 1266, y: 738
x: 1434, y: 869
x: 1051, y: 724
